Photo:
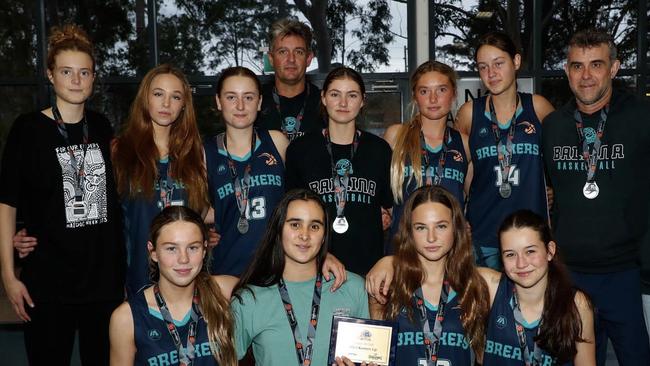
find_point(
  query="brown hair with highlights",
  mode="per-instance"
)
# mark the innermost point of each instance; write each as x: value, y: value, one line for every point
x: 460, y: 270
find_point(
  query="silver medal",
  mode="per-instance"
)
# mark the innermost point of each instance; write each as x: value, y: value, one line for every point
x: 340, y: 224
x: 242, y: 225
x: 590, y: 190
x: 505, y: 190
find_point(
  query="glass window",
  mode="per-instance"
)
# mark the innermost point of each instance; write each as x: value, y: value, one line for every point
x: 18, y: 39
x: 117, y: 29
x: 562, y: 19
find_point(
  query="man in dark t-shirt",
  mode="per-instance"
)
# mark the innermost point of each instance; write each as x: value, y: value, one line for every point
x: 290, y: 103
x: 596, y: 151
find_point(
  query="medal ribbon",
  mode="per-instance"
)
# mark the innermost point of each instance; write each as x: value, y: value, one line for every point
x: 434, y: 177
x: 432, y: 339
x: 166, y: 187
x: 341, y: 183
x: 590, y: 156
x: 521, y: 334
x: 185, y: 354
x: 504, y: 154
x: 301, y: 113
x: 242, y: 185
x: 78, y: 169
x: 303, y: 352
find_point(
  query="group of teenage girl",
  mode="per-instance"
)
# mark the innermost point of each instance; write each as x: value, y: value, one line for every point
x: 453, y: 191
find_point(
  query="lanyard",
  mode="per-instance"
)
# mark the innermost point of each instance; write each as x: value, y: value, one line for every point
x: 185, y: 354
x: 591, y: 155
x: 303, y: 352
x: 432, y: 344
x: 434, y: 177
x: 241, y: 185
x: 341, y: 181
x: 78, y: 169
x: 521, y: 334
x: 166, y: 187
x: 290, y: 131
x: 504, y: 153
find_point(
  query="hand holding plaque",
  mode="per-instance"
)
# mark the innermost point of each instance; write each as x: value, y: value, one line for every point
x: 363, y: 340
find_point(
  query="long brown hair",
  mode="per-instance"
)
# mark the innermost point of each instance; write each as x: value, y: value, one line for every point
x: 460, y: 270
x: 135, y: 153
x: 407, y: 145
x: 561, y: 322
x: 69, y: 37
x: 214, y: 306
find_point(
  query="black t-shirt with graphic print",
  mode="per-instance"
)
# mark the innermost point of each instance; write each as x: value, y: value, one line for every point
x: 80, y: 256
x: 309, y: 166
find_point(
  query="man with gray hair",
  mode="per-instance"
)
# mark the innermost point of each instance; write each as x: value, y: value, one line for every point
x: 290, y: 103
x: 597, y: 155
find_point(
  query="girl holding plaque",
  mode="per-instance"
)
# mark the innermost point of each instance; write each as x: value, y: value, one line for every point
x: 504, y: 130
x: 536, y: 313
x: 438, y: 297
x: 158, y: 162
x: 184, y: 318
x: 349, y: 169
x: 281, y: 304
x: 426, y: 151
x: 245, y: 171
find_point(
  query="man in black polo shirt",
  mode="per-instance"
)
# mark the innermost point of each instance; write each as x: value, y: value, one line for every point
x: 597, y: 154
x: 290, y: 103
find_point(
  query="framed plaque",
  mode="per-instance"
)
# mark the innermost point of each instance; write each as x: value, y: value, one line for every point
x: 363, y: 340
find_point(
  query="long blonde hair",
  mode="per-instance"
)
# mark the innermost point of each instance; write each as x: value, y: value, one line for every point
x: 407, y: 145
x: 214, y: 306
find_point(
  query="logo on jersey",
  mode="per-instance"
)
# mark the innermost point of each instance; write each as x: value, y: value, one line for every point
x: 270, y: 159
x: 153, y: 334
x: 221, y: 169
x: 344, y: 166
x: 341, y: 312
x: 529, y: 128
x: 457, y: 156
x: 289, y: 124
x: 483, y: 132
x: 501, y: 322
x: 590, y: 135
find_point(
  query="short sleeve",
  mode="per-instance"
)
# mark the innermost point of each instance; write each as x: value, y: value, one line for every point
x: 243, y: 314
x: 10, y: 170
x: 358, y: 286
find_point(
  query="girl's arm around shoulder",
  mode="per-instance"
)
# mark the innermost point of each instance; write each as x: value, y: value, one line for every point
x: 463, y: 122
x: 226, y: 284
x: 281, y: 142
x: 492, y: 279
x: 121, y: 336
x: 391, y: 134
x: 542, y: 107
x: 587, y: 348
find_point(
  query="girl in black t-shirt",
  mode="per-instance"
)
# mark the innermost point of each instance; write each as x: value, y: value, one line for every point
x: 56, y: 172
x: 349, y: 169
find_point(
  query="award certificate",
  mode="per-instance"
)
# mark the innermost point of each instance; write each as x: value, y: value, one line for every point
x: 363, y: 340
